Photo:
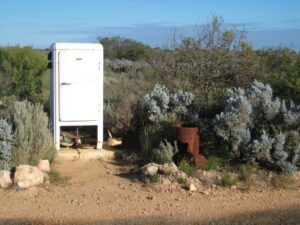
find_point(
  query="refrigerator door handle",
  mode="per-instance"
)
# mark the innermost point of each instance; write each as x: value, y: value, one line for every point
x: 65, y: 83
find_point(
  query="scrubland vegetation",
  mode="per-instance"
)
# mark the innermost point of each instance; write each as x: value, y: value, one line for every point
x: 244, y: 101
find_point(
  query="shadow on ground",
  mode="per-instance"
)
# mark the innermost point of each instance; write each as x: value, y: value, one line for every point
x: 126, y: 172
x: 290, y: 216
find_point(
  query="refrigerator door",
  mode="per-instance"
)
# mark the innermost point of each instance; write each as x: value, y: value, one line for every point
x: 79, y: 85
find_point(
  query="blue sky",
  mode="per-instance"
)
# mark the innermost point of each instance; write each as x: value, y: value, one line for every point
x: 269, y: 23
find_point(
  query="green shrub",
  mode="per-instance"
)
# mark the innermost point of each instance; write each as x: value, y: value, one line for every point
x: 50, y: 154
x: 189, y: 169
x: 152, y: 148
x: 154, y: 178
x: 281, y: 181
x: 121, y: 102
x: 245, y: 186
x: 227, y: 179
x: 118, y: 116
x: 33, y: 139
x: 181, y: 180
x: 22, y: 72
x: 5, y: 105
x: 56, y: 178
x: 119, y: 65
x: 168, y: 172
x: 164, y: 152
x: 292, y: 141
x: 245, y: 171
x: 214, y: 163
x: 123, y: 48
x: 146, y: 147
x: 211, y: 143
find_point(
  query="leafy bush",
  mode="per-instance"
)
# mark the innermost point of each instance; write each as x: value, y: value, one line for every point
x: 214, y: 163
x: 245, y: 171
x: 118, y: 116
x: 214, y: 58
x: 227, y: 179
x: 33, y: 139
x: 22, y: 71
x: 6, y: 144
x: 56, y: 178
x: 256, y: 125
x: 121, y: 48
x: 211, y: 143
x: 283, y: 66
x: 154, y: 178
x: 158, y: 113
x: 122, y: 96
x: 181, y: 180
x: 119, y: 65
x: 281, y: 181
x: 164, y: 152
x: 180, y: 100
x: 5, y: 105
x: 186, y: 167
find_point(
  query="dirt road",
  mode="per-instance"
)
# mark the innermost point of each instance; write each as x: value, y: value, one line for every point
x: 100, y: 192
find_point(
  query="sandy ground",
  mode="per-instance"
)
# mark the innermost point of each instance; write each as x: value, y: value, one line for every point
x: 107, y: 192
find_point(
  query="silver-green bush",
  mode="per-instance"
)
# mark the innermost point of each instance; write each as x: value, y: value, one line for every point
x: 33, y: 139
x: 6, y: 143
x: 257, y: 126
x: 164, y: 153
x: 156, y: 103
x: 160, y: 101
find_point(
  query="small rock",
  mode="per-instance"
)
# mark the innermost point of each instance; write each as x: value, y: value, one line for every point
x: 233, y: 187
x: 165, y: 181
x: 191, y: 187
x: 150, y: 169
x: 5, y: 180
x: 27, y: 176
x: 209, y: 177
x: 44, y: 165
